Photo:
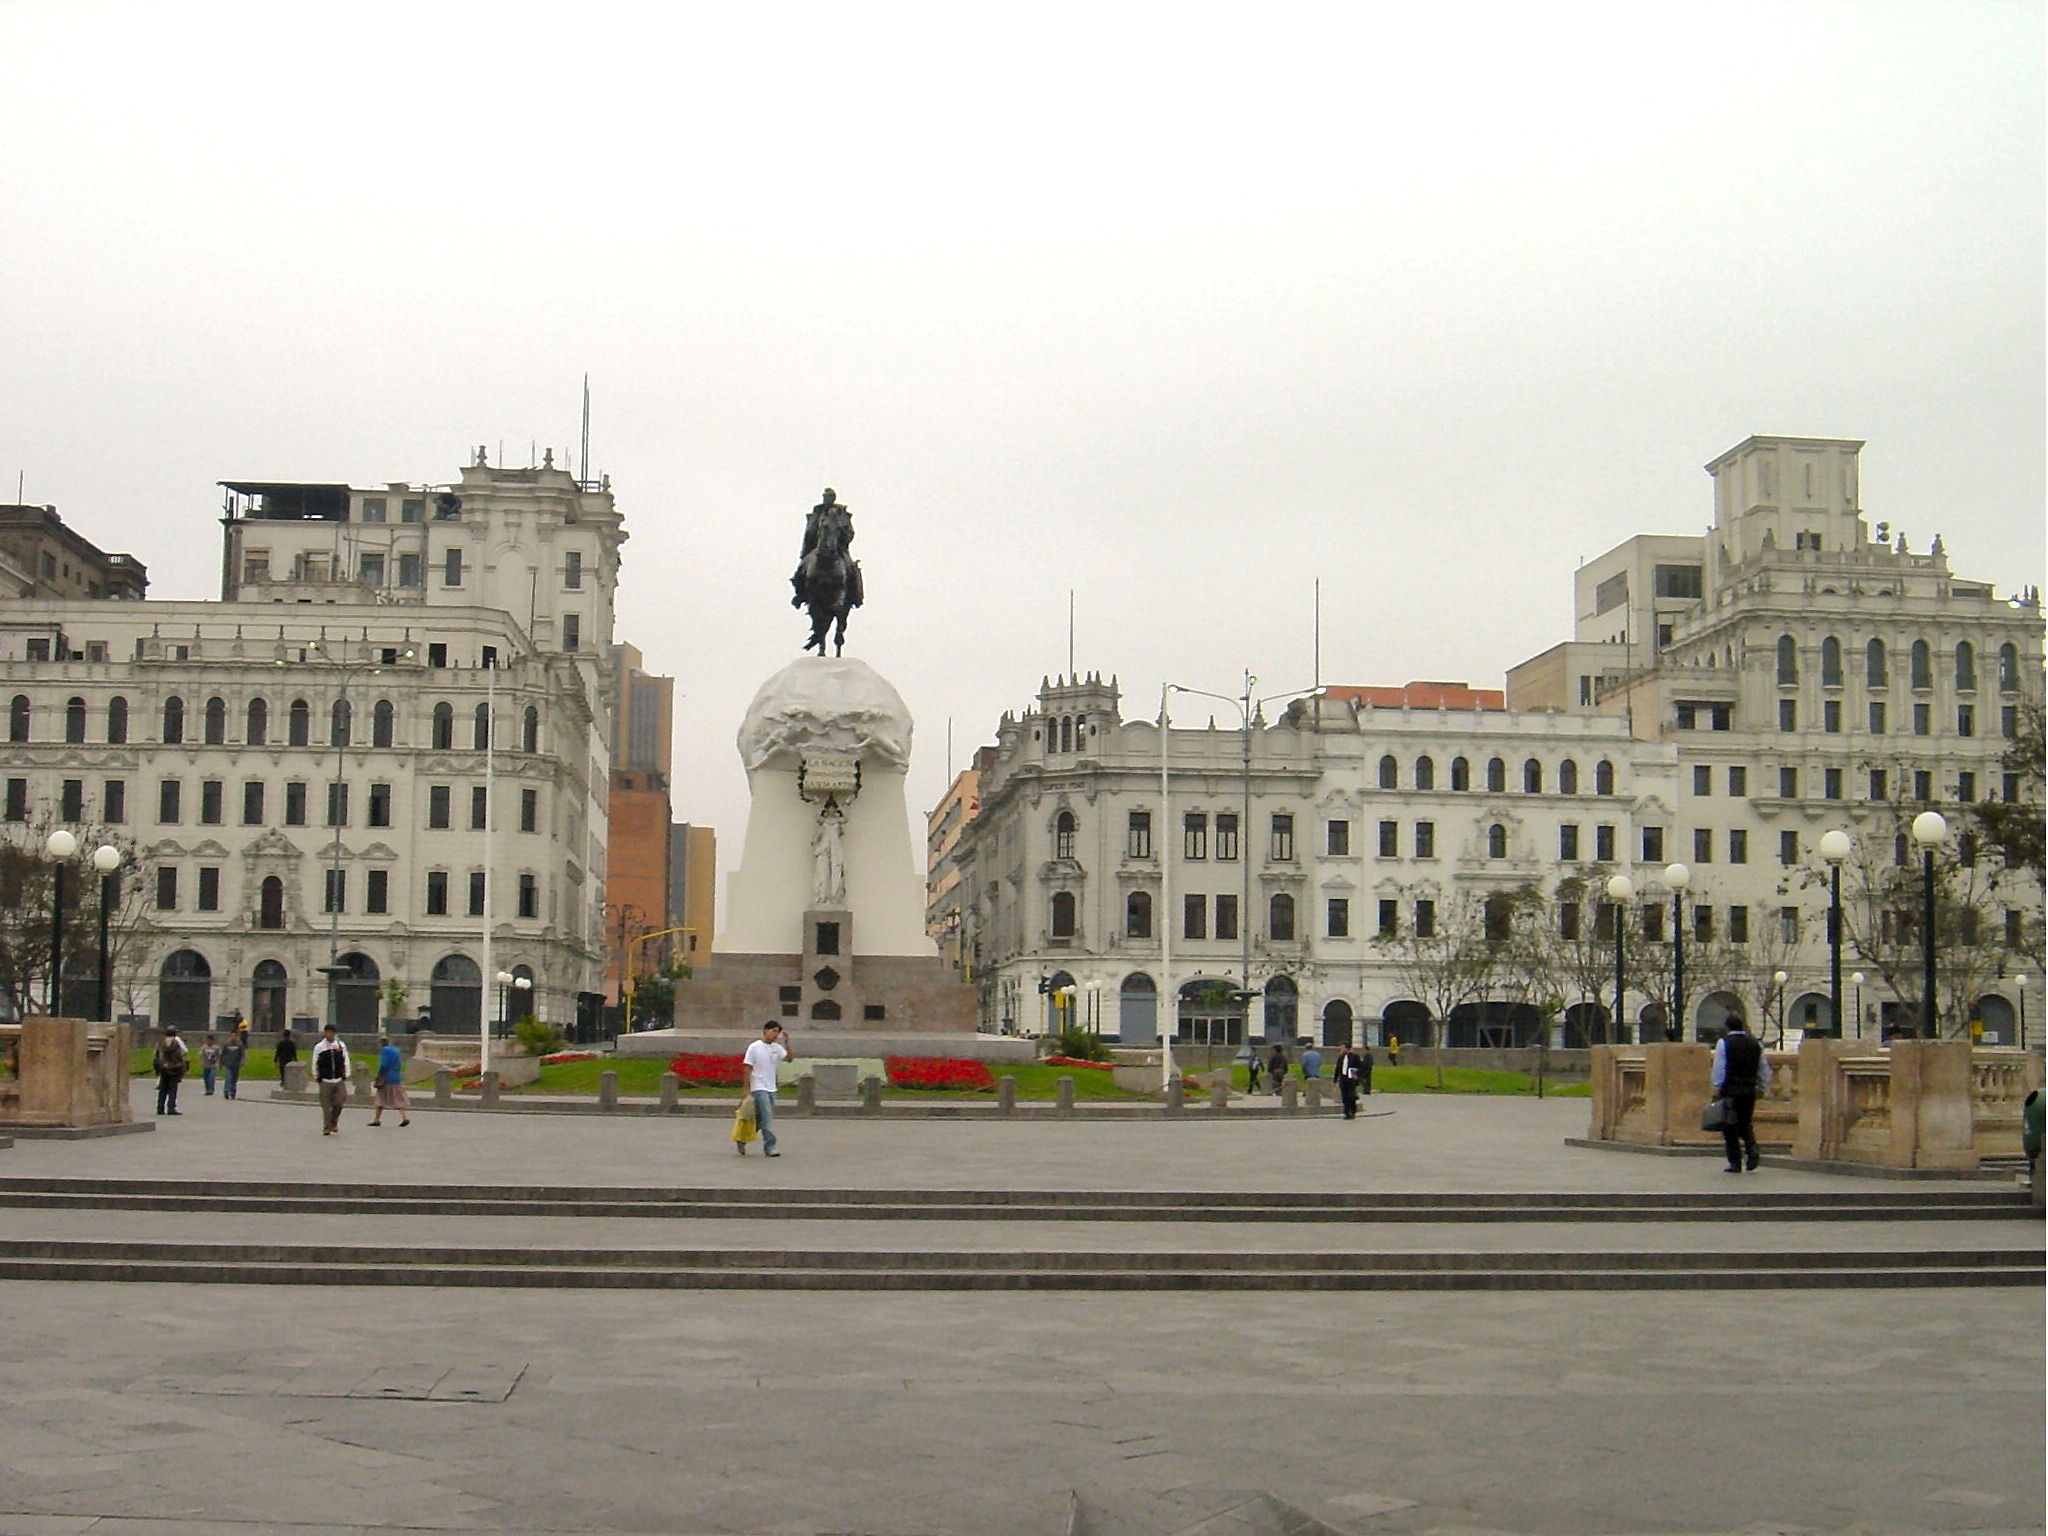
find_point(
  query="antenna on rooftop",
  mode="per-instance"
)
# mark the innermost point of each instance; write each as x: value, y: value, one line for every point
x: 584, y: 460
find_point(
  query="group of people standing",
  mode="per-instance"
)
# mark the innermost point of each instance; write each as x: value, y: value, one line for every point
x: 223, y: 1061
x: 1353, y: 1072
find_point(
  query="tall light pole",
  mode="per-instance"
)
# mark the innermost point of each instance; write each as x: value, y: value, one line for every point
x: 106, y: 859
x: 1858, y: 980
x: 1620, y: 890
x: 1677, y: 877
x: 1834, y: 847
x: 2019, y: 983
x: 1778, y: 980
x: 1095, y: 1007
x: 1166, y: 1004
x: 1930, y: 829
x: 60, y: 846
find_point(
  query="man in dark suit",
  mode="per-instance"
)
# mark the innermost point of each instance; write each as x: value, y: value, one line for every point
x: 1741, y: 1075
x: 1354, y: 1071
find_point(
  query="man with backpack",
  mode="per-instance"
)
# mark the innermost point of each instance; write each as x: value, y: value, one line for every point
x: 170, y: 1063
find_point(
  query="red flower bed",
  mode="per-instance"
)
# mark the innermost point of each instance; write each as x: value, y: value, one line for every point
x: 937, y: 1072
x: 1075, y: 1061
x: 560, y: 1056
x: 696, y: 1071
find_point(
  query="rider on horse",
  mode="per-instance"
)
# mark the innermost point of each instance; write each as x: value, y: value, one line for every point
x: 827, y: 579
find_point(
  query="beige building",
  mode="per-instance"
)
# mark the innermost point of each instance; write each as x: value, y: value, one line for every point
x: 945, y: 912
x: 42, y: 557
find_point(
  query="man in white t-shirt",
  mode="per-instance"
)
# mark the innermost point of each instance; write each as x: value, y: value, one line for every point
x: 763, y: 1056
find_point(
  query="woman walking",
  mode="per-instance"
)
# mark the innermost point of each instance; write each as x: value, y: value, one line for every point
x: 390, y: 1084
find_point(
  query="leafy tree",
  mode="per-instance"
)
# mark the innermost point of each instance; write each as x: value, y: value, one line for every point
x: 2017, y: 828
x: 27, y: 894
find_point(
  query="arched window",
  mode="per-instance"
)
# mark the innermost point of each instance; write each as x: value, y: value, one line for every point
x: 1063, y: 914
x: 174, y: 721
x: 1461, y: 774
x: 1603, y: 777
x: 1138, y: 916
x: 340, y: 723
x: 269, y: 996
x: 1923, y: 665
x: 1280, y: 918
x: 271, y: 913
x: 480, y: 733
x: 1568, y: 776
x: 1496, y: 841
x: 1064, y: 827
x: 444, y: 727
x: 529, y: 730
x: 1496, y: 776
x: 1876, y: 668
x: 382, y: 720
x: 1390, y: 772
x: 1283, y: 1008
x: 1066, y: 734
x: 74, y: 720
x: 1080, y: 733
x: 17, y: 718
x: 1831, y: 663
x: 299, y: 723
x: 214, y: 723
x: 1966, y: 667
x: 2008, y: 668
x: 1532, y: 777
x: 1788, y: 661
x: 1425, y: 773
x: 117, y: 721
x: 259, y: 722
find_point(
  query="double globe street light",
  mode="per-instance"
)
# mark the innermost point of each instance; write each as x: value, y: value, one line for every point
x: 106, y: 858
x: 1677, y: 877
x: 1621, y: 891
x: 1930, y: 830
x: 1834, y: 847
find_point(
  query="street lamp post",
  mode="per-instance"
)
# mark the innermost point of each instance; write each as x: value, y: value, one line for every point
x: 1857, y: 979
x: 1930, y: 828
x: 516, y: 984
x: 1834, y: 847
x: 1678, y: 877
x: 1095, y: 1007
x: 2019, y: 983
x: 60, y: 846
x: 106, y: 859
x: 1620, y: 890
x: 1778, y: 980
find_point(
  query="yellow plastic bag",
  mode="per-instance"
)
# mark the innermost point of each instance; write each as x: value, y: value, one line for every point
x: 744, y: 1128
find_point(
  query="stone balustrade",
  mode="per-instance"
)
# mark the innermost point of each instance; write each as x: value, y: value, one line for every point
x: 65, y: 1072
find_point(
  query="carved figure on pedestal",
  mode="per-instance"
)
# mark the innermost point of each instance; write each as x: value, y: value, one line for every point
x: 827, y: 579
x: 828, y: 858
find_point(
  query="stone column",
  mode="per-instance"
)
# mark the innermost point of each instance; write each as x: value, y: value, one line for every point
x: 1063, y: 1088
x: 1006, y: 1095
x: 608, y: 1091
x: 444, y: 1087
x: 489, y: 1093
x: 1930, y: 1104
x: 669, y: 1084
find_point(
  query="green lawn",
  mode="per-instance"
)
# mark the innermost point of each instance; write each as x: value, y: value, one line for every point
x: 258, y: 1067
x: 642, y: 1075
x: 1386, y: 1079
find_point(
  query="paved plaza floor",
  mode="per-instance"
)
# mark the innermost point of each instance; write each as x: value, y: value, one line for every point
x: 181, y: 1409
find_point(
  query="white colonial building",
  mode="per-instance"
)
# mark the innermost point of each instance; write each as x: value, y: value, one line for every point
x: 306, y: 772
x: 1726, y: 699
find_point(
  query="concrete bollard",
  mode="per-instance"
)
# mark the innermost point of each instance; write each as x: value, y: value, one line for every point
x: 294, y: 1077
x: 1176, y: 1096
x: 444, y: 1086
x: 489, y: 1090
x: 1315, y: 1093
x: 1219, y: 1093
x: 669, y: 1084
x: 607, y: 1091
x: 1006, y: 1095
x: 871, y: 1093
x: 359, y: 1088
x: 1289, y: 1097
x: 806, y: 1094
x: 1063, y: 1094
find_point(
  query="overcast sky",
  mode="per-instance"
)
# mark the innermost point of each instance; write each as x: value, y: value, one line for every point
x: 1179, y: 308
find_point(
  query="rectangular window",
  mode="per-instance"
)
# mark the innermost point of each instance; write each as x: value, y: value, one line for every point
x: 529, y: 815
x: 2009, y: 722
x: 1390, y: 839
x: 409, y: 570
x: 529, y: 896
x: 572, y: 631
x: 1137, y: 836
x: 252, y: 803
x: 1603, y: 844
x: 209, y: 888
x: 1923, y: 785
x: 1703, y: 925
x: 1194, y: 917
x: 1702, y: 845
x: 1923, y: 720
x: 437, y: 893
x: 166, y: 889
x: 1605, y: 917
x: 479, y: 808
x: 380, y: 805
x: 2015, y: 927
x: 1390, y: 918
x: 210, y: 802
x: 1966, y: 788
x: 1877, y: 717
x: 370, y: 569
x: 476, y: 893
x: 1831, y: 784
x: 1226, y: 834
x: 1283, y: 836
x: 71, y: 800
x: 1653, y: 922
x: 1788, y: 714
x: 1425, y: 839
x: 1568, y: 917
x: 377, y: 891
x: 295, y: 805
x: 1425, y: 919
x: 437, y: 806
x: 1788, y: 783
x: 1653, y: 845
x: 1880, y: 784
x: 451, y: 568
x: 1831, y: 716
x: 1702, y: 779
x: 1194, y: 835
x: 114, y: 802
x: 1568, y: 843
x: 1738, y: 846
x: 335, y: 896
x: 1338, y: 843
x: 1226, y: 917
x: 1340, y: 918
x: 1788, y: 847
x: 337, y: 804
x: 167, y: 798
x: 1788, y: 925
x: 572, y: 570
x: 1738, y: 925
x: 373, y: 509
x: 2008, y: 788
x: 1966, y: 719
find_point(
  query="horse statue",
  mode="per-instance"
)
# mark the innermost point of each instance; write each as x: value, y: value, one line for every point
x: 827, y: 579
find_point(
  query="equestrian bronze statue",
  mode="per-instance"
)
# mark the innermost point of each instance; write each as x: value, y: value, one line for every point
x: 827, y: 579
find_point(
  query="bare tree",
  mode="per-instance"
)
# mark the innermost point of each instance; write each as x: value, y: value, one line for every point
x: 27, y: 904
x: 1450, y: 964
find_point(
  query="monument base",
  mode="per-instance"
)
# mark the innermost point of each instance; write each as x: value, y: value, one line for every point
x: 831, y: 1044
x: 826, y: 989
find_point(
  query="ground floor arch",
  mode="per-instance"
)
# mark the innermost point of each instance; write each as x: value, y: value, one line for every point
x: 1337, y: 1024
x: 1137, y: 1010
x: 356, y: 989
x: 1711, y: 1018
x: 1587, y: 1024
x: 1492, y: 1025
x: 184, y: 990
x: 2000, y: 1021
x: 457, y: 994
x: 269, y: 997
x: 1813, y: 1012
x: 1282, y: 1009
x: 1408, y: 1022
x: 1210, y: 1013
